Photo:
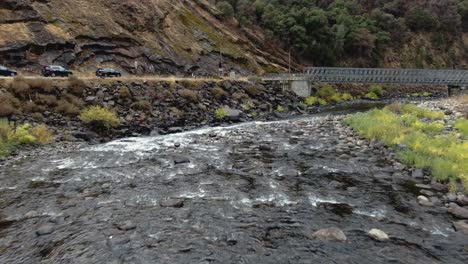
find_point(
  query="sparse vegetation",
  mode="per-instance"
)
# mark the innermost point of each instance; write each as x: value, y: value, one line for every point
x: 124, y: 93
x: 219, y: 93
x: 418, y: 141
x: 76, y: 86
x: 221, y: 113
x: 12, y: 137
x: 143, y: 105
x: 280, y: 108
x: 189, y: 95
x: 462, y: 126
x: 99, y: 117
x: 67, y: 108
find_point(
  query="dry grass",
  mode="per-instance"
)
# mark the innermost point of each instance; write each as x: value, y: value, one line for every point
x: 176, y: 112
x: 252, y: 90
x: 47, y: 100
x: 76, y: 86
x: 41, y: 84
x: 462, y: 106
x: 76, y: 101
x: 219, y: 93
x: 165, y: 95
x: 124, y: 93
x: 67, y: 108
x: 8, y: 105
x: 241, y: 96
x: 20, y: 87
x: 143, y: 105
x: 189, y: 95
x: 38, y: 117
x: 31, y: 107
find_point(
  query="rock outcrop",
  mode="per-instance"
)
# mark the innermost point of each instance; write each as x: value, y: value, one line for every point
x: 145, y: 36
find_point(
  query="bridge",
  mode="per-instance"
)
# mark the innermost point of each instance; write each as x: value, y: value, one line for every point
x: 300, y: 82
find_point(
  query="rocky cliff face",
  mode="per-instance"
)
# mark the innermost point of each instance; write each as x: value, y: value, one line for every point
x: 144, y: 36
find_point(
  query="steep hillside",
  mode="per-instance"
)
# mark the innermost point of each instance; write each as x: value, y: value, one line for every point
x: 155, y: 36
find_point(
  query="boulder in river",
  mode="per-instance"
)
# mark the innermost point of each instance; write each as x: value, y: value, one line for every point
x: 45, y: 230
x: 461, y: 226
x: 457, y: 211
x: 329, y: 234
x: 378, y: 235
x: 424, y: 201
x: 462, y: 200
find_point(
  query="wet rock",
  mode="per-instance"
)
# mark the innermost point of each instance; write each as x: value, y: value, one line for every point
x: 126, y: 225
x: 86, y: 136
x: 462, y: 200
x: 424, y: 201
x: 177, y: 145
x: 451, y: 197
x: 439, y: 186
x: 461, y: 226
x: 264, y: 147
x: 378, y: 235
x: 329, y: 234
x: 427, y: 193
x: 181, y: 160
x: 423, y: 186
x: 457, y: 211
x: 175, y: 203
x: 45, y: 230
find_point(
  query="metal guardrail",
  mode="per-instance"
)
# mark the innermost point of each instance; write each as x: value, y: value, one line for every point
x: 376, y: 75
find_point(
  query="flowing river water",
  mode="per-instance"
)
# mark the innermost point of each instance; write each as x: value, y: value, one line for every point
x: 249, y: 193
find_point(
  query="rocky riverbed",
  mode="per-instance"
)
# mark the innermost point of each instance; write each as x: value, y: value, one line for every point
x: 293, y: 191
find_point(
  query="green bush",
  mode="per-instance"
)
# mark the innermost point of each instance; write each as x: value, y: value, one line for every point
x: 371, y: 95
x: 11, y: 138
x: 311, y: 100
x: 221, y: 113
x: 328, y: 93
x: 280, y: 108
x: 99, y: 117
x: 376, y: 89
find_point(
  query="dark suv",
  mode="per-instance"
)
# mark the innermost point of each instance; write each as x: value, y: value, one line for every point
x: 53, y: 71
x: 107, y: 72
x: 4, y: 71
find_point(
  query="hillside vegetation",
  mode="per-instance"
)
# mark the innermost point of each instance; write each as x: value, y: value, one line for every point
x: 394, y: 33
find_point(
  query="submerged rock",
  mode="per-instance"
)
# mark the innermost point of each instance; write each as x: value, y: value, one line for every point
x: 329, y: 234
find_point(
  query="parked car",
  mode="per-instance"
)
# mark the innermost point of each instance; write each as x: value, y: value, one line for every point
x: 53, y: 71
x: 4, y: 71
x: 108, y: 72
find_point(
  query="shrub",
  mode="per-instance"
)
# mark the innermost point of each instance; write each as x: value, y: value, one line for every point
x: 347, y: 97
x: 38, y: 116
x: 221, y: 113
x: 31, y: 107
x: 42, y: 134
x: 67, y: 108
x: 99, y: 117
x: 76, y: 86
x: 322, y: 102
x: 124, y: 93
x: 143, y: 105
x: 376, y: 89
x: 20, y: 87
x: 426, y: 94
x: 280, y: 108
x: 327, y: 93
x: 11, y: 138
x: 48, y: 100
x: 219, y: 93
x: 41, y: 84
x: 371, y: 96
x: 8, y: 105
x: 252, y: 90
x: 189, y: 95
x: 176, y: 112
x: 240, y: 96
x: 76, y: 101
x: 311, y: 100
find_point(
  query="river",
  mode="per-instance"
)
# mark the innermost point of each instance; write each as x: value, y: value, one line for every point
x: 249, y: 193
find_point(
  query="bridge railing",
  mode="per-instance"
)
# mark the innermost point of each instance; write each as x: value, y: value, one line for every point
x: 375, y: 75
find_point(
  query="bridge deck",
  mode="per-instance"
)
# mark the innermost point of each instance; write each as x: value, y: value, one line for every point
x: 375, y: 75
